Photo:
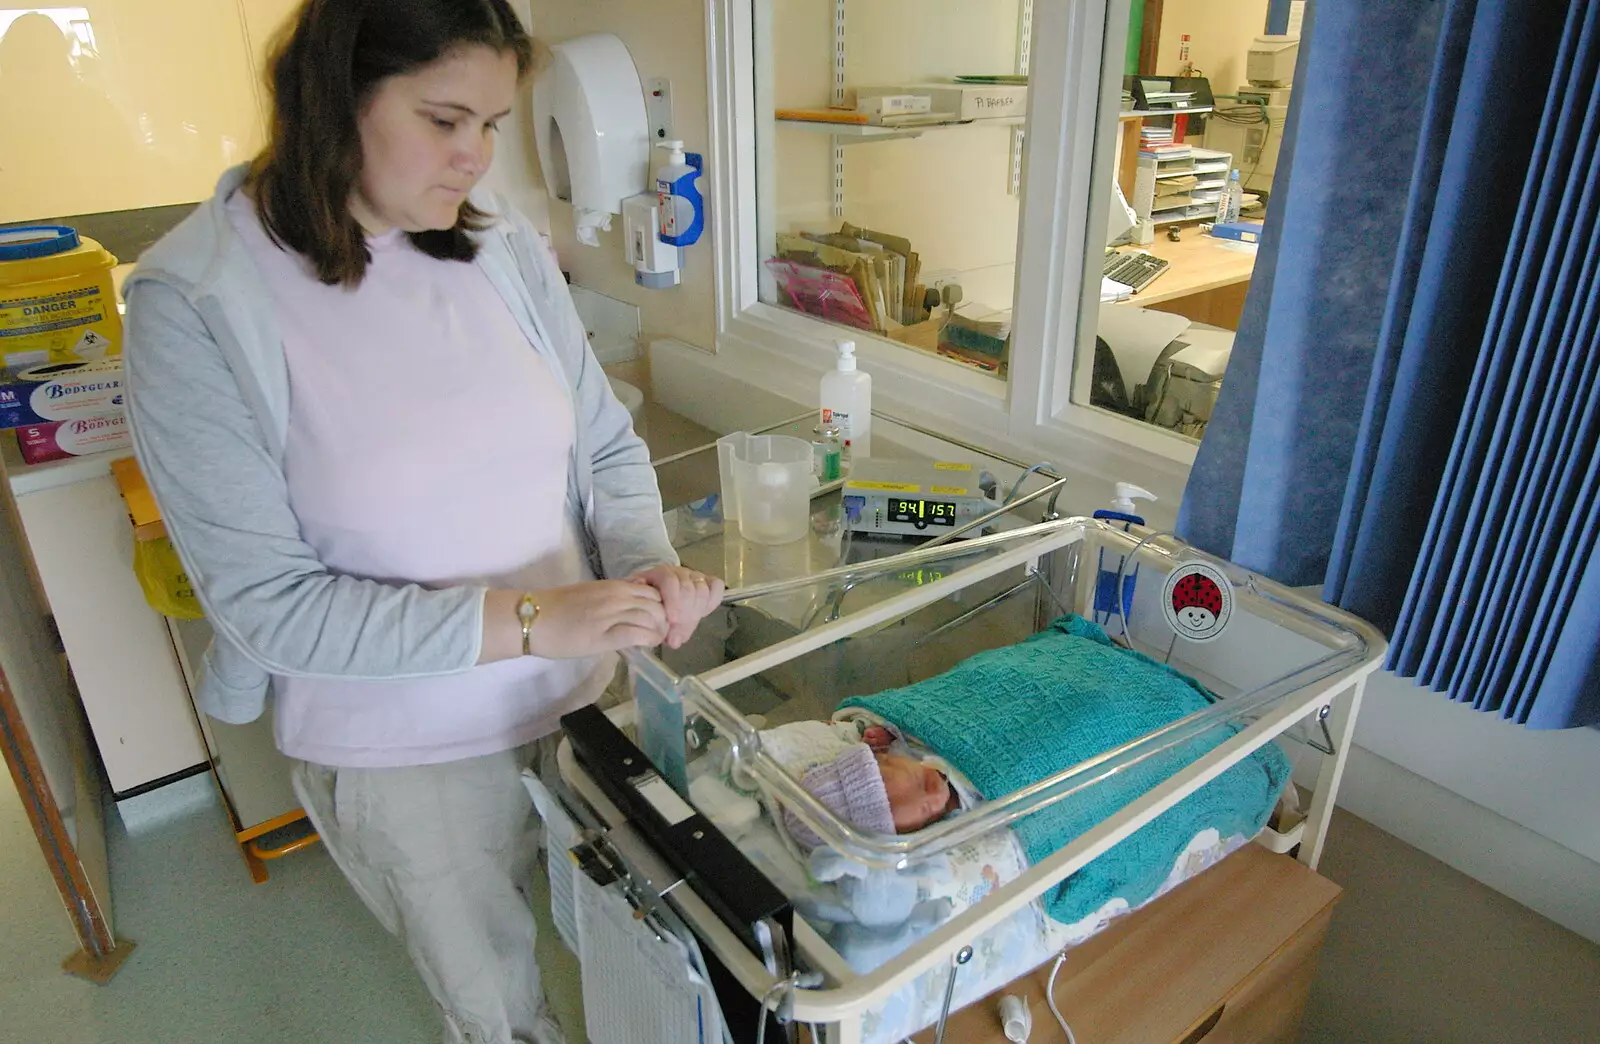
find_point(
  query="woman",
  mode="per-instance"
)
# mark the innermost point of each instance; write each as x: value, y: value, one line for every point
x: 399, y: 480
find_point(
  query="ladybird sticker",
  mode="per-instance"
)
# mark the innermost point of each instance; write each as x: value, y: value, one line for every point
x: 1198, y: 601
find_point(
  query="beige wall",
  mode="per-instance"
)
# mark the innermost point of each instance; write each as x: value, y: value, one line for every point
x: 1220, y: 31
x: 666, y: 38
x: 261, y: 21
x: 946, y: 191
x: 129, y: 104
x: 171, y: 93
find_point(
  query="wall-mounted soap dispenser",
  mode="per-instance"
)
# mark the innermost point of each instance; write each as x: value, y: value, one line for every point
x: 593, y: 137
x: 590, y: 128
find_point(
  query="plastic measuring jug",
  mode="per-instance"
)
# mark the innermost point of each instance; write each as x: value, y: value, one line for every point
x: 766, y: 485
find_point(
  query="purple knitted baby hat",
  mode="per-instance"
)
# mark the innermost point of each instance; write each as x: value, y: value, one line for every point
x: 851, y: 786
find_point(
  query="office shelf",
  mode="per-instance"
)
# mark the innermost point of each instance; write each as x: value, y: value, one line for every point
x: 857, y: 133
x: 1161, y: 221
x: 1199, y: 163
x: 1210, y: 168
x: 1139, y: 114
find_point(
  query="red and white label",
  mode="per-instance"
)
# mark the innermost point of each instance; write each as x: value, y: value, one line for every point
x: 73, y: 438
x: 1198, y: 601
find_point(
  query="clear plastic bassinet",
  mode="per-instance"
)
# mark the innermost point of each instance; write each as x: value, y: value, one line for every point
x: 792, y: 650
x: 840, y: 614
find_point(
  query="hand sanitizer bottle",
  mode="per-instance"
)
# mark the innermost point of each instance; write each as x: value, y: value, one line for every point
x: 1111, y: 606
x: 846, y: 395
x: 681, y: 208
x: 1123, y: 508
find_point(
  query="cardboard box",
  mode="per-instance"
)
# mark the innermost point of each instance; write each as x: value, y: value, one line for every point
x: 58, y: 440
x: 895, y: 105
x: 962, y: 100
x: 59, y: 391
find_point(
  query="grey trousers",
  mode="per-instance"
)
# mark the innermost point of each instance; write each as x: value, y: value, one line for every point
x: 442, y: 854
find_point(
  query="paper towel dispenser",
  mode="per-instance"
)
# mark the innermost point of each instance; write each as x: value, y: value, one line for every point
x: 590, y: 127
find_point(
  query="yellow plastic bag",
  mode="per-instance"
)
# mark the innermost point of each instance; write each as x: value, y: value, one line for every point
x: 166, y: 585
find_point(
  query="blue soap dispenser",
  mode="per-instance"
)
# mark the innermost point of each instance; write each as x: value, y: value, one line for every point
x: 683, y: 216
x: 1113, y: 567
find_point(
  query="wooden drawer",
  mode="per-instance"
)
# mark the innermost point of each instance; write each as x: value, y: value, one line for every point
x: 1227, y: 958
x: 1268, y: 1005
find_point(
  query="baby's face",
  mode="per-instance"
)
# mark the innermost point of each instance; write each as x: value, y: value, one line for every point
x: 918, y: 795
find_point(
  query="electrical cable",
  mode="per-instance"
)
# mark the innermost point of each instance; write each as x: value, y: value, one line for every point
x: 1248, y: 115
x: 1032, y: 470
x: 1122, y: 569
x: 761, y: 1015
x: 1050, y: 997
x: 793, y: 982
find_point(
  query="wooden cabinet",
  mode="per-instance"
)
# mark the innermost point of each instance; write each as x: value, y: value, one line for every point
x: 1227, y: 958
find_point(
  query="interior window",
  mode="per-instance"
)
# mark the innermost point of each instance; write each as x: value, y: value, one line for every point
x: 1188, y: 166
x: 889, y: 163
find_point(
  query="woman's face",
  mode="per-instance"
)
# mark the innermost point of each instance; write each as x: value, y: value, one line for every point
x: 428, y: 136
x: 918, y: 795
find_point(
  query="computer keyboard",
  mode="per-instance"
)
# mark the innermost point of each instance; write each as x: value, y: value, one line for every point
x: 1134, y: 268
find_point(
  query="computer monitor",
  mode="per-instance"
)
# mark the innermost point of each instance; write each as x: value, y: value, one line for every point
x: 1271, y: 60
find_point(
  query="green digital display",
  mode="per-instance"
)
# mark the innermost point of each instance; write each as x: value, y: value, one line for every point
x: 922, y: 513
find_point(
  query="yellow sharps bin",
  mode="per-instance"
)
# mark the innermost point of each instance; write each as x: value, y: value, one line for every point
x: 57, y: 303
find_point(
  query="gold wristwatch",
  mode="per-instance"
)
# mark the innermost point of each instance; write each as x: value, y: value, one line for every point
x: 527, y: 612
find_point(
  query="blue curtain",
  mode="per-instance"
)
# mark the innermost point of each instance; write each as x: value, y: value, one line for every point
x: 1412, y: 414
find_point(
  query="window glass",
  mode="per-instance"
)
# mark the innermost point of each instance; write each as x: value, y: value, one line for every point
x: 889, y: 155
x: 1187, y: 155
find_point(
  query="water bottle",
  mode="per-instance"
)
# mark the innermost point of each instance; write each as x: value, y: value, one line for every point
x: 1235, y: 197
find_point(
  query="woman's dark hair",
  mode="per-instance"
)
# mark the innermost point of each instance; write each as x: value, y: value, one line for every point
x: 323, y: 70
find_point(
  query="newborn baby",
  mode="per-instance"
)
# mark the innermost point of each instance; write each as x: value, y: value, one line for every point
x: 918, y: 794
x: 859, y: 778
x: 861, y: 772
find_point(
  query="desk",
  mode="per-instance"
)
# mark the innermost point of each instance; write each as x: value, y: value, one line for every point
x: 1206, y: 282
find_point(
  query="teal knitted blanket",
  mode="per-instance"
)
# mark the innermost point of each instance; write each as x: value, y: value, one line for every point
x: 1010, y: 717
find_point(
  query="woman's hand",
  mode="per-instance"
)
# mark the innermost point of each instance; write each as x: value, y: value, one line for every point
x: 581, y: 620
x: 688, y: 596
x: 597, y: 617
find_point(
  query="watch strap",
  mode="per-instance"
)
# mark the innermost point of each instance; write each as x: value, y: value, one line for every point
x: 527, y: 613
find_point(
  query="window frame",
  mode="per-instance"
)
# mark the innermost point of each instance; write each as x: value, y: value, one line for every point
x: 1031, y: 411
